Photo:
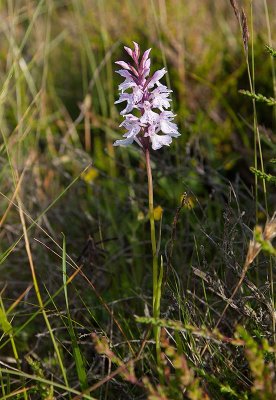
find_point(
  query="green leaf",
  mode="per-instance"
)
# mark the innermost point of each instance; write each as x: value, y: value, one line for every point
x: 270, y: 101
x: 267, y: 177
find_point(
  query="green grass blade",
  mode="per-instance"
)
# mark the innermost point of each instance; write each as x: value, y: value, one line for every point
x: 81, y: 371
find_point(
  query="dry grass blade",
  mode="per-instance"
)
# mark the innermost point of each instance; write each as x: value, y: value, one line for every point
x: 245, y: 31
x: 29, y: 162
x: 235, y: 8
x: 36, y: 287
x: 266, y: 235
x: 270, y: 229
x: 18, y: 300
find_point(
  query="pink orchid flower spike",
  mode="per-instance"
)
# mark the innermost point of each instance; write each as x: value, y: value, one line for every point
x: 152, y: 124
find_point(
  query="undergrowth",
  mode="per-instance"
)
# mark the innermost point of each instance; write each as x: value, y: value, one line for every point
x: 75, y: 285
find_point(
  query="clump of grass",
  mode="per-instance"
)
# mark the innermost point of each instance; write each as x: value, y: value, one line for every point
x: 177, y: 376
x: 180, y: 379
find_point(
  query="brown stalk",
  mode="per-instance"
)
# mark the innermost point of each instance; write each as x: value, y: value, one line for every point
x: 29, y: 161
x: 245, y: 31
x: 235, y: 8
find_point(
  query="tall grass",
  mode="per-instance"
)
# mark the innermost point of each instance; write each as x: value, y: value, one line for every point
x: 75, y: 286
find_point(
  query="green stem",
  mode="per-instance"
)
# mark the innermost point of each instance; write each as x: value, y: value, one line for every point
x: 156, y: 289
x: 152, y: 225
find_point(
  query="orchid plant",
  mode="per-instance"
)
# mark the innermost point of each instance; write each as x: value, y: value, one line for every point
x: 151, y: 100
x: 149, y: 122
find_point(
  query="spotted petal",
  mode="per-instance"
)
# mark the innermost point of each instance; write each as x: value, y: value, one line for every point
x: 158, y: 141
x: 156, y: 77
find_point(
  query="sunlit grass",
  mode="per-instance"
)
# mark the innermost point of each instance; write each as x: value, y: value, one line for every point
x: 61, y: 182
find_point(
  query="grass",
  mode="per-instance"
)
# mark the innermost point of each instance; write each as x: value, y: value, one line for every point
x: 76, y: 315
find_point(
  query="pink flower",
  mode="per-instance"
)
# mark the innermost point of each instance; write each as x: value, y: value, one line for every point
x: 160, y: 97
x: 148, y: 96
x: 131, y: 123
x: 156, y: 77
